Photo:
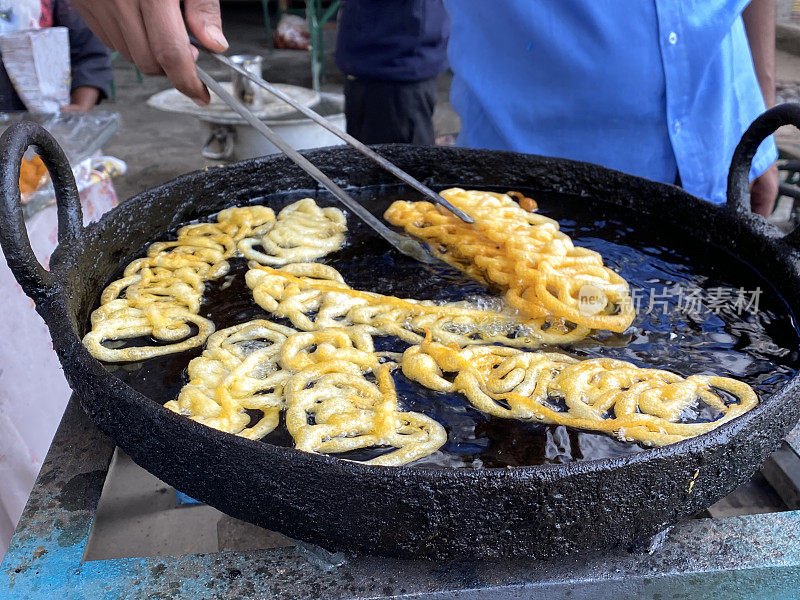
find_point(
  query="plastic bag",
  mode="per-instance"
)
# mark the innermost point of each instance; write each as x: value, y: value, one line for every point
x: 37, y: 62
x: 80, y: 135
x: 87, y: 172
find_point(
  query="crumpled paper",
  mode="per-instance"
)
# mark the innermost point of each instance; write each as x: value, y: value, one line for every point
x: 38, y: 64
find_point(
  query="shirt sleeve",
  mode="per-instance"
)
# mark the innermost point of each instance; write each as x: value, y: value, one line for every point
x: 89, y: 58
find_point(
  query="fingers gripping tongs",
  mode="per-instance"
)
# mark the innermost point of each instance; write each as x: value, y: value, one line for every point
x: 403, y: 244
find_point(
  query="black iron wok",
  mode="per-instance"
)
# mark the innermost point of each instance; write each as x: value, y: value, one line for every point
x: 538, y: 511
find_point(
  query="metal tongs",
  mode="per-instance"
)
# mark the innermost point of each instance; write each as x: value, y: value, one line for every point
x: 404, y: 244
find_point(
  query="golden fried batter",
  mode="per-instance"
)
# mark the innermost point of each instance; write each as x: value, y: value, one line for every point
x: 337, y: 394
x: 333, y: 406
x: 159, y: 295
x: 237, y: 371
x: 542, y: 273
x: 314, y: 296
x: 302, y: 232
x: 601, y: 394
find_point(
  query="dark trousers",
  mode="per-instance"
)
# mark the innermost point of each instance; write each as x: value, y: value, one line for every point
x: 382, y: 112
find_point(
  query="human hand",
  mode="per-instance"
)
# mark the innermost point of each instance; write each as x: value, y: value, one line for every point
x: 82, y: 99
x: 152, y: 34
x: 763, y: 191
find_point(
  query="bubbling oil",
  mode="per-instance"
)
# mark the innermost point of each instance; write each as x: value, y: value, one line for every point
x: 700, y: 310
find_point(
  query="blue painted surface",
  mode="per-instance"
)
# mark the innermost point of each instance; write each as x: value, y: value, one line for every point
x: 753, y: 556
x: 749, y: 557
x: 185, y: 499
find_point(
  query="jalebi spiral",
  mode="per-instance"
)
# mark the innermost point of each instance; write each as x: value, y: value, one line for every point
x: 159, y: 295
x: 303, y: 232
x: 600, y: 394
x: 337, y: 393
x: 525, y: 254
x: 237, y: 371
x: 314, y: 296
x: 340, y: 396
x: 348, y: 410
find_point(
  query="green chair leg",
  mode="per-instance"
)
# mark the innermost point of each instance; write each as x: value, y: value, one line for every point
x: 316, y: 20
x: 112, y: 86
x: 267, y: 24
x: 312, y: 14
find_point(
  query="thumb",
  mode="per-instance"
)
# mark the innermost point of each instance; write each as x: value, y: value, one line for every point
x: 205, y: 22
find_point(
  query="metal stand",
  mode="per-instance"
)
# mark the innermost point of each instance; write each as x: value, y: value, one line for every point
x: 752, y: 556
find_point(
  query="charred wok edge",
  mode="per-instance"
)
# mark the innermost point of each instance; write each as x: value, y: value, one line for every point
x: 539, y: 511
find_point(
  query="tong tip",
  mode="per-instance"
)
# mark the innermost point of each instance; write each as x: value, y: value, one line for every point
x: 456, y: 211
x: 463, y: 216
x: 438, y: 199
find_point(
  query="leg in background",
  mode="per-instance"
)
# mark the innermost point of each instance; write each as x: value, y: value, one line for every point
x: 382, y: 112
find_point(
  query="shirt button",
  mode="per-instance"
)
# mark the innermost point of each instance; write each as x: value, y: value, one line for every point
x: 676, y: 126
x: 673, y: 38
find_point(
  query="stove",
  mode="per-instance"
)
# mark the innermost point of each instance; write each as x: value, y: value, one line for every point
x: 81, y: 537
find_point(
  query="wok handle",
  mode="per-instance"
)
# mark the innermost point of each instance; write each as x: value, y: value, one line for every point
x: 759, y: 130
x: 34, y: 279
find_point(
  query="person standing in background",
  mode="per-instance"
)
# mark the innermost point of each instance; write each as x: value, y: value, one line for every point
x: 391, y: 54
x: 661, y: 89
x: 89, y: 58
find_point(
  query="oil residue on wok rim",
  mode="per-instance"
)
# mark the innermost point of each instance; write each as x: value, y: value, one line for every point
x: 700, y: 310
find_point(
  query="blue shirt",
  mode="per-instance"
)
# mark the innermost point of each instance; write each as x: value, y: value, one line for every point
x: 655, y: 88
x: 396, y: 40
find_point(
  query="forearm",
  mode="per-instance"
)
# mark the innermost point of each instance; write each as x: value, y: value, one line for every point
x: 759, y: 22
x: 84, y: 97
